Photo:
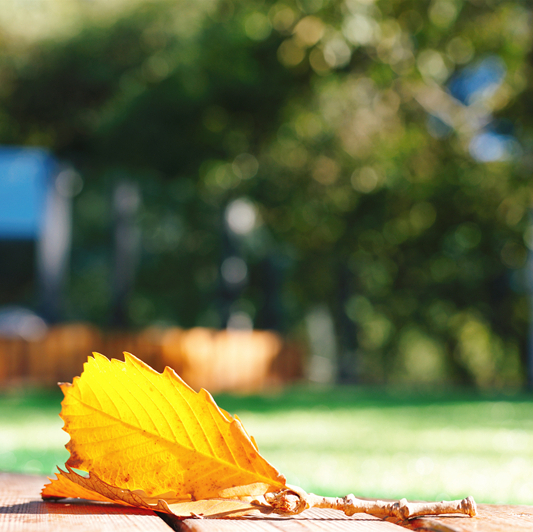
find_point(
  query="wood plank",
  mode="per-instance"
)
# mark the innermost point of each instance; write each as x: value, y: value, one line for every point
x: 314, y: 520
x: 21, y: 509
x: 491, y: 518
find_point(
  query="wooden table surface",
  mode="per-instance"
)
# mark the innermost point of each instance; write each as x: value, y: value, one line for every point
x: 21, y: 509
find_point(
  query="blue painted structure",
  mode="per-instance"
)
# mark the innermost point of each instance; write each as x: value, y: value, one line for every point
x: 35, y: 206
x: 25, y: 175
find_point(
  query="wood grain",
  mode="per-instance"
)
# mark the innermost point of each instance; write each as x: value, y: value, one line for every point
x: 491, y: 518
x: 21, y: 509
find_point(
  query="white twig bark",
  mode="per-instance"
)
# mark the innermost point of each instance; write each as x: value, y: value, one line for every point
x: 294, y: 501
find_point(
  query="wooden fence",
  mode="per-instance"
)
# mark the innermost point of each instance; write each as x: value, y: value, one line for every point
x: 241, y: 361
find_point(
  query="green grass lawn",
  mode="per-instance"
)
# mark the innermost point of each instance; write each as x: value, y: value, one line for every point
x: 371, y: 443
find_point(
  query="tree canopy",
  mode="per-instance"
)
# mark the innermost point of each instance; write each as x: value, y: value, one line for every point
x: 376, y: 155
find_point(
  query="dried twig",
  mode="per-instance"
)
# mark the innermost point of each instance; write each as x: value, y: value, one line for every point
x: 294, y: 501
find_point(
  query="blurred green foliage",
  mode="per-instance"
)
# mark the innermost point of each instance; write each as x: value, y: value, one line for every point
x: 338, y: 121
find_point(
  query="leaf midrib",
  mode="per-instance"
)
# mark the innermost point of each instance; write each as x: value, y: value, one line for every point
x: 171, y: 444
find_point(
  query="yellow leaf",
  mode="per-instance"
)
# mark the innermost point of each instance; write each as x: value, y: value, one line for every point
x: 65, y: 487
x: 136, y: 429
x: 72, y: 485
x: 215, y: 508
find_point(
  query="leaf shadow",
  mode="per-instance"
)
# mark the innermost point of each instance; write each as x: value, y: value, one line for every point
x: 70, y: 507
